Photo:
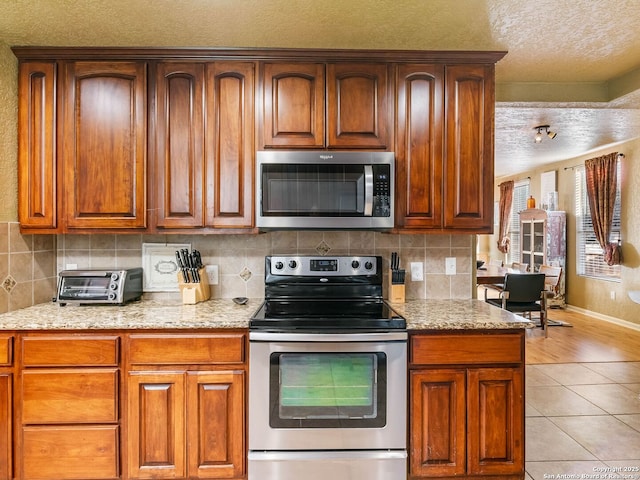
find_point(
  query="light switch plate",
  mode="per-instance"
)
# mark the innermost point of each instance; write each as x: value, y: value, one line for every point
x: 416, y: 272
x: 450, y: 265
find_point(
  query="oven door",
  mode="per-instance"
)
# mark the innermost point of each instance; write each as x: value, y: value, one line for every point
x: 327, y: 391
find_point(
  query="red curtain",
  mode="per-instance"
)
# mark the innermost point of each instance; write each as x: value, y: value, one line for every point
x: 506, y: 199
x: 601, y: 179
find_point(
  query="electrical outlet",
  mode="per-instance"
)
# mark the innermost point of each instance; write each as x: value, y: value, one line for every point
x: 450, y: 265
x: 612, y: 294
x: 212, y: 274
x: 416, y: 272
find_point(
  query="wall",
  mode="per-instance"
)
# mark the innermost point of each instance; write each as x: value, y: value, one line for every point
x: 8, y: 135
x: 240, y: 258
x: 583, y: 292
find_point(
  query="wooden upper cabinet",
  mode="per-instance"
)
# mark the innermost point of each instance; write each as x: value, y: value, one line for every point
x: 179, y: 148
x: 358, y: 105
x: 204, y: 178
x: 230, y: 144
x: 419, y: 146
x: 468, y: 182
x: 293, y: 105
x: 104, y: 140
x: 37, y: 202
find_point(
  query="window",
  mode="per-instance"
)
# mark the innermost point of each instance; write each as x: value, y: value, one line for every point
x: 589, y: 255
x: 520, y: 195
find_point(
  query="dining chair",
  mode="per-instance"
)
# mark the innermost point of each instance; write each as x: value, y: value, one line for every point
x: 521, y: 267
x: 524, y: 293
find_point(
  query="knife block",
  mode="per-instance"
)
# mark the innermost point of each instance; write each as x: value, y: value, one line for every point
x: 395, y: 291
x: 193, y: 293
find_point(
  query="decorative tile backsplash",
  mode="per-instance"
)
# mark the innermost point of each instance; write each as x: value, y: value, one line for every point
x: 29, y: 264
x: 27, y: 268
x: 240, y: 258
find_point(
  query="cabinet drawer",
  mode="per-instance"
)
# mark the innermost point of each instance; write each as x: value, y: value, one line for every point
x: 58, y: 351
x: 471, y: 349
x: 6, y: 349
x: 186, y: 349
x: 73, y: 452
x: 69, y: 396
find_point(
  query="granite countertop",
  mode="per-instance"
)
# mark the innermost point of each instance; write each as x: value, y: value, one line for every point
x: 223, y: 313
x: 457, y: 315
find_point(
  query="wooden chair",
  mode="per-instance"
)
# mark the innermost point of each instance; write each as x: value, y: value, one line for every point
x: 551, y: 278
x: 521, y: 267
x: 524, y: 293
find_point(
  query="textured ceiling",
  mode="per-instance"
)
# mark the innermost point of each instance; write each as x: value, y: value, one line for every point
x: 572, y: 64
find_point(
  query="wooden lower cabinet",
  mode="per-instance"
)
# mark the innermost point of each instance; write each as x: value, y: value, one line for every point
x: 6, y: 436
x: 186, y: 424
x: 466, y: 410
x: 70, y: 452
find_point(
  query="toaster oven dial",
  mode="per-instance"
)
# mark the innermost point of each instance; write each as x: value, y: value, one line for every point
x: 112, y: 295
x: 114, y: 277
x: 113, y: 286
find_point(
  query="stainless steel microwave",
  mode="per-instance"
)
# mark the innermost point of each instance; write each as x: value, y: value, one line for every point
x: 324, y: 190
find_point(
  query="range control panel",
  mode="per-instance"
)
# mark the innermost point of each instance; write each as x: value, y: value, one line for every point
x: 322, y: 266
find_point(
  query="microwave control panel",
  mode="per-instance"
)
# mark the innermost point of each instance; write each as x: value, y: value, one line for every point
x: 381, y: 191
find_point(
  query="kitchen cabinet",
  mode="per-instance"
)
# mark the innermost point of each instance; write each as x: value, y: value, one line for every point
x: 419, y: 149
x: 68, y: 418
x: 467, y: 405
x: 6, y: 407
x: 445, y: 147
x: 104, y: 145
x: 37, y: 166
x: 186, y: 406
x: 332, y: 105
x: 204, y: 177
x: 163, y: 140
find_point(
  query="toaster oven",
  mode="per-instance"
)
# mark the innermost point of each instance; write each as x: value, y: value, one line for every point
x: 99, y: 286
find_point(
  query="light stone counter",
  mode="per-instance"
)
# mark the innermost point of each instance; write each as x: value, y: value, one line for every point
x: 223, y: 313
x: 457, y: 315
x: 146, y: 314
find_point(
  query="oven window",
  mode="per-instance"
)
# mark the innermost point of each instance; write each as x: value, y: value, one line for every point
x: 95, y: 288
x: 313, y: 190
x: 328, y: 390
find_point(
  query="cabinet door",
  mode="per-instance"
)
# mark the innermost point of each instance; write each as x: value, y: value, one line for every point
x: 37, y: 176
x: 468, y: 177
x: 419, y: 146
x: 230, y: 144
x: 215, y: 424
x: 293, y: 105
x: 104, y: 145
x: 179, y: 148
x: 358, y: 106
x: 6, y: 431
x: 495, y: 398
x: 156, y: 425
x: 437, y: 427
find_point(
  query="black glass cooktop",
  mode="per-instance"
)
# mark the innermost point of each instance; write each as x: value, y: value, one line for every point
x: 322, y: 315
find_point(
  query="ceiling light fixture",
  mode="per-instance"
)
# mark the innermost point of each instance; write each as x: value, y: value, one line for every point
x: 540, y: 130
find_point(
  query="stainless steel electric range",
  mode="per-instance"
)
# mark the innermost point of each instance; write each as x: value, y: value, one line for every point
x: 327, y: 373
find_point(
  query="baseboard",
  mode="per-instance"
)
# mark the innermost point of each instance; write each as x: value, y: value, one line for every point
x: 605, y: 318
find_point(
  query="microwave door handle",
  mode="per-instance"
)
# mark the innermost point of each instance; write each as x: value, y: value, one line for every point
x: 368, y: 190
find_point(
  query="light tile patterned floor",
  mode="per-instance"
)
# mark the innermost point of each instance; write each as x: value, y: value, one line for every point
x: 583, y: 421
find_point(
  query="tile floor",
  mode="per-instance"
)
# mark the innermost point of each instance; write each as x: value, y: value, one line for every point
x: 583, y: 421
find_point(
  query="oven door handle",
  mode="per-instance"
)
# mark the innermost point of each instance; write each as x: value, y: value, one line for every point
x: 368, y: 190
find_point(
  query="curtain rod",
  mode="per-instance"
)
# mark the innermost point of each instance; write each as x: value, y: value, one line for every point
x: 620, y: 155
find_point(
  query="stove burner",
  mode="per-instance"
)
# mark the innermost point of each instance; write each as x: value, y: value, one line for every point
x: 347, y: 297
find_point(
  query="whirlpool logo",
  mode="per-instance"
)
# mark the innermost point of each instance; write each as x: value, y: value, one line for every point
x: 326, y: 157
